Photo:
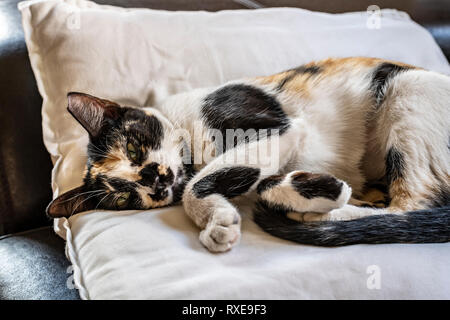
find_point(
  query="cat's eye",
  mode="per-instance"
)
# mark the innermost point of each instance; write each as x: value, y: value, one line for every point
x: 132, y: 151
x: 122, y: 201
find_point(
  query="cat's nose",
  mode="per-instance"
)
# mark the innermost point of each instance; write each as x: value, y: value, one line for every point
x: 149, y: 174
x: 157, y: 176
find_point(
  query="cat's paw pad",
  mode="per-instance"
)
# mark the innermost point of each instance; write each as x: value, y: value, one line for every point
x: 222, y: 232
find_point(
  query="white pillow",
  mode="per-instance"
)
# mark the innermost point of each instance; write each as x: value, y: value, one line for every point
x: 140, y: 56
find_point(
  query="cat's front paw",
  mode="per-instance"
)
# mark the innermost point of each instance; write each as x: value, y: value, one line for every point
x: 223, y: 230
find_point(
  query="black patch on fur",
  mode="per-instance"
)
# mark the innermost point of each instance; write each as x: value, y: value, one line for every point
x: 269, y: 183
x: 187, y: 172
x: 425, y: 226
x: 132, y: 126
x: 395, y: 165
x: 311, y: 185
x: 381, y: 76
x: 241, y: 106
x: 310, y: 70
x: 229, y: 182
x: 149, y: 174
x: 148, y: 130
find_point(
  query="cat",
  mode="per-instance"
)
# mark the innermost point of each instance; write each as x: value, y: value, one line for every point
x: 361, y: 145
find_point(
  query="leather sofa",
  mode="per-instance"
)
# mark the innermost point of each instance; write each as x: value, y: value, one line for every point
x: 32, y: 260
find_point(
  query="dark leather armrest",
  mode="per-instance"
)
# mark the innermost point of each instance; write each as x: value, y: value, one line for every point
x: 33, y: 266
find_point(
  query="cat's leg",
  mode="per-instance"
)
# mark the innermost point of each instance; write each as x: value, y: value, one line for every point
x: 373, y: 202
x: 410, y: 146
x: 206, y: 196
x: 206, y: 202
x: 312, y: 197
x: 305, y: 192
x: 412, y: 133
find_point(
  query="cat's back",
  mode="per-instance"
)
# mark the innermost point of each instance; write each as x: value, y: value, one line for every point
x: 334, y: 81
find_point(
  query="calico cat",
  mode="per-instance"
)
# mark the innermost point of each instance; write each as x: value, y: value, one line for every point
x: 341, y: 131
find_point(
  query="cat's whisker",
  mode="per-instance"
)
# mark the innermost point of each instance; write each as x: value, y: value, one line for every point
x: 82, y: 193
x: 102, y: 155
x: 98, y: 149
x: 108, y: 194
x: 89, y: 197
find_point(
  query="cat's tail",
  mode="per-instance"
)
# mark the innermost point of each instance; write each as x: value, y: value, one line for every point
x: 424, y: 226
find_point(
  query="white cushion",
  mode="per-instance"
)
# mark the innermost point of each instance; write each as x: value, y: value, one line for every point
x: 140, y: 56
x: 156, y: 255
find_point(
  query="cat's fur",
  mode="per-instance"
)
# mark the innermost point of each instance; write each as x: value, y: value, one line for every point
x: 344, y: 126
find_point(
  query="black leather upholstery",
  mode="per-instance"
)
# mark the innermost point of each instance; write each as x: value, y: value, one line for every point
x: 33, y: 266
x: 24, y: 163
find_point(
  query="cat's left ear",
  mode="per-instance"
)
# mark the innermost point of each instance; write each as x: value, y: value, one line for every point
x: 71, y: 202
x: 92, y: 112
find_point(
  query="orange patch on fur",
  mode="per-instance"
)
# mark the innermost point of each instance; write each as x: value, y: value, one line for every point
x: 110, y: 164
x: 374, y: 195
x: 275, y: 78
x: 162, y: 170
x: 290, y: 80
x: 402, y: 199
x: 301, y: 82
x: 147, y: 112
x: 334, y: 66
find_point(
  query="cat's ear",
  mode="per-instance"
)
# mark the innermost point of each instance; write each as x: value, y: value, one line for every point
x: 91, y: 112
x: 71, y: 202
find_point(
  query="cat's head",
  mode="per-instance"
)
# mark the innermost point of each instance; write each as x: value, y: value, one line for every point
x: 133, y: 160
